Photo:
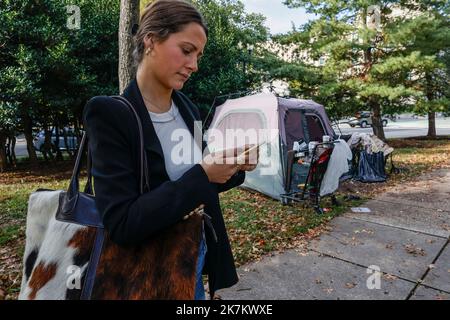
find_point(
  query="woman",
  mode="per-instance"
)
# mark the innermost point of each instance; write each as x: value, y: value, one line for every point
x: 168, y: 44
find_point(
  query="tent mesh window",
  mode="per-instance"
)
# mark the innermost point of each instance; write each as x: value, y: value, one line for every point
x: 294, y: 128
x: 315, y: 128
x: 249, y: 123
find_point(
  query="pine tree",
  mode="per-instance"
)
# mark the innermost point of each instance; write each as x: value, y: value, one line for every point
x: 370, y: 58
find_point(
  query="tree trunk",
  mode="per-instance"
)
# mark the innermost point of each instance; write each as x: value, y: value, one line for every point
x: 13, y: 150
x: 66, y: 143
x: 129, y: 15
x: 3, y: 158
x: 8, y: 150
x: 78, y: 135
x: 377, y: 124
x: 431, y: 125
x: 28, y: 132
x: 47, y: 146
x: 431, y: 113
x: 59, y: 155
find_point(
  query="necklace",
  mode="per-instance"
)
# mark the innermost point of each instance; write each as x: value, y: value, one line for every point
x: 172, y: 114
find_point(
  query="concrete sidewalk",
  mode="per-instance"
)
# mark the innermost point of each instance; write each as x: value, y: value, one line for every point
x: 400, y: 250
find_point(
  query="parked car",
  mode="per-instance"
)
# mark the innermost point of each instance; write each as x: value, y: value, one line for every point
x: 72, y: 140
x: 363, y: 119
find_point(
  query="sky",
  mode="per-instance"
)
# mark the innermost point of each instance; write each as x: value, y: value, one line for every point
x: 278, y: 16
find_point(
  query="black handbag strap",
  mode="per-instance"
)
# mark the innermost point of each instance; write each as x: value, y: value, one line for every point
x: 143, y: 169
x: 74, y: 181
x: 88, y: 286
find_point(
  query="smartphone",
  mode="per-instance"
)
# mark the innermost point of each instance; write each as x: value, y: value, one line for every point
x: 251, y: 149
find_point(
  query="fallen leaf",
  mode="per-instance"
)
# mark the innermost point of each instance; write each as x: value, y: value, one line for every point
x: 350, y: 285
x: 389, y: 277
x: 328, y: 290
x: 414, y: 250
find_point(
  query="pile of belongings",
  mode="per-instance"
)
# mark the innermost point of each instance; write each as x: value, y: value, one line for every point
x: 373, y: 153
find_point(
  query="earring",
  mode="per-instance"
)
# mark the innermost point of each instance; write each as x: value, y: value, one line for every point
x: 147, y: 52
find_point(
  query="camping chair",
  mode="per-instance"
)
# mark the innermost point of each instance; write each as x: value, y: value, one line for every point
x: 310, y: 189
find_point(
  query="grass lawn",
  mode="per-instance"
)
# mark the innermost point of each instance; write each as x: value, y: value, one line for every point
x: 257, y: 225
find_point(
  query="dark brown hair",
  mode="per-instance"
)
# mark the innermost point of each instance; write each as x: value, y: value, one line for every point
x: 162, y: 18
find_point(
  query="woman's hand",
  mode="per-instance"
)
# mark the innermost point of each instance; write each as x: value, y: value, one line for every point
x: 221, y: 166
x: 248, y: 160
x: 218, y: 168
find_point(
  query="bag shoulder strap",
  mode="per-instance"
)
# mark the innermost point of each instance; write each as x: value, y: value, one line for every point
x: 143, y: 165
x: 73, y: 190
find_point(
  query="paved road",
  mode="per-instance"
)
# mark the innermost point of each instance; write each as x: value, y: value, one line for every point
x: 403, y: 128
x: 398, y: 251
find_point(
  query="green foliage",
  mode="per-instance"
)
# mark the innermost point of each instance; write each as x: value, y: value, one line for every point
x: 48, y: 71
x: 401, y: 66
x: 221, y: 70
x: 9, y: 233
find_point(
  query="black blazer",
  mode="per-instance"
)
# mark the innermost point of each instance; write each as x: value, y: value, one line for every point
x: 131, y: 218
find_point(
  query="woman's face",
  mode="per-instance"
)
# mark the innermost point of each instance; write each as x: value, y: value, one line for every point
x: 172, y: 61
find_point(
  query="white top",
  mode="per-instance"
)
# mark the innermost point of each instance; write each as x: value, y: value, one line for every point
x: 180, y: 151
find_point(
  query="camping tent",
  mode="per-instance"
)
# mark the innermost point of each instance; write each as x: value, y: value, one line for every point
x: 279, y: 122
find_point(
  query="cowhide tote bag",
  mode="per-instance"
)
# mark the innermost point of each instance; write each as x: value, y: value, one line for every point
x: 69, y: 255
